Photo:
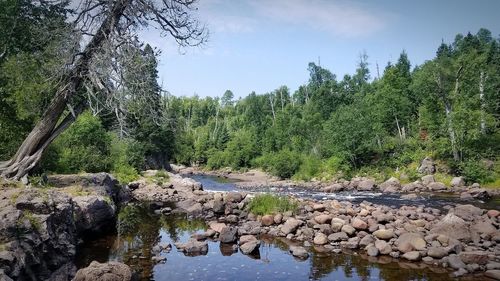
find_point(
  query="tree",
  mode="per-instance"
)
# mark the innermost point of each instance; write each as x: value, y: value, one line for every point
x: 107, y: 27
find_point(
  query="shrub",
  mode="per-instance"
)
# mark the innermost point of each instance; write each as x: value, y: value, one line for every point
x: 283, y: 164
x: 266, y: 204
x: 475, y: 171
x: 309, y: 168
x: 125, y: 173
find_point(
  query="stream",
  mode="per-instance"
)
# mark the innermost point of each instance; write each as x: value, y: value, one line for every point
x: 141, y: 230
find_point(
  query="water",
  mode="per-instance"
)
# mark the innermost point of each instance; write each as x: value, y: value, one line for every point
x: 144, y: 230
x: 435, y: 200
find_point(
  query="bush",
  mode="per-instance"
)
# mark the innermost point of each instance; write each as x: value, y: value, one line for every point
x: 125, y: 173
x: 309, y: 168
x: 83, y: 147
x: 475, y: 171
x: 267, y: 204
x: 283, y: 164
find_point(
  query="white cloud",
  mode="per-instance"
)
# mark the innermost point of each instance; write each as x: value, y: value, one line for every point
x: 339, y: 18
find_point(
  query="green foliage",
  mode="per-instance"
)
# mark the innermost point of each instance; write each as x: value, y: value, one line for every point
x: 283, y: 164
x: 83, y: 147
x: 475, y: 171
x: 266, y: 204
x: 310, y: 167
x: 125, y: 173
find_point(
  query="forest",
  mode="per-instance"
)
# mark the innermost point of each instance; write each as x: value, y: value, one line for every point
x: 375, y: 124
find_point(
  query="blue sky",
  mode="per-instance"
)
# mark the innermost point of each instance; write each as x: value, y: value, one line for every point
x: 259, y: 45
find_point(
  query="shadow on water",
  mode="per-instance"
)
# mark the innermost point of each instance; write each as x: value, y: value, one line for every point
x: 139, y: 231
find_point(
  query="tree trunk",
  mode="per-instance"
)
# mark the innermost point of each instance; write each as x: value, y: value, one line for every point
x: 482, y: 79
x: 47, y: 129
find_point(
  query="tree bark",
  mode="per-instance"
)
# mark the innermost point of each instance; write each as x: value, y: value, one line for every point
x: 47, y: 129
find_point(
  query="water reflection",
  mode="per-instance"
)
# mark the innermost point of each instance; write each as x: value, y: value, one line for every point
x: 137, y: 238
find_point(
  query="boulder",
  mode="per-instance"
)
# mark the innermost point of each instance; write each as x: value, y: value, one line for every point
x: 384, y: 234
x: 412, y: 256
x: 228, y: 234
x: 493, y: 213
x: 455, y: 262
x: 452, y: 226
x: 493, y: 274
x: 348, y: 229
x: 474, y: 257
x: 427, y: 166
x: 436, y: 186
x: 249, y: 246
x: 320, y: 239
x: 391, y: 185
x: 372, y: 251
x: 484, y: 226
x: 383, y: 247
x: 110, y: 271
x: 336, y: 187
x: 299, y: 252
x: 193, y: 247
x: 318, y: 207
x: 322, y: 219
x: 437, y: 252
x: 267, y: 220
x: 427, y: 179
x: 217, y: 226
x: 339, y: 236
x: 359, y: 224
x: 290, y: 226
x: 366, y: 185
x: 467, y: 212
x: 93, y: 212
x: 410, y: 241
x: 457, y: 182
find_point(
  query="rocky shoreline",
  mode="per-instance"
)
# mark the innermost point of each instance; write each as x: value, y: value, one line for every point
x: 39, y: 229
x: 465, y: 239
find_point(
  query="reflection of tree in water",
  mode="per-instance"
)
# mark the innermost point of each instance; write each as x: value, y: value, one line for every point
x: 138, y: 232
x: 324, y: 263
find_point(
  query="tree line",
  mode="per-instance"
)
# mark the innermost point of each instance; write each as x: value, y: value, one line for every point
x: 119, y: 119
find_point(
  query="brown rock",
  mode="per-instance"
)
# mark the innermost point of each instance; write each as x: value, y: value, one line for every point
x: 267, y: 220
x: 110, y: 271
x: 359, y: 224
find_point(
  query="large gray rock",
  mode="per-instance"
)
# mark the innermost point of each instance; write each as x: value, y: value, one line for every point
x: 410, y: 241
x: 474, y: 257
x: 452, y: 226
x: 436, y: 186
x: 93, y: 212
x: 457, y: 182
x: 467, y: 212
x: 493, y: 274
x: 391, y: 185
x: 228, y: 234
x: 383, y: 247
x: 428, y: 179
x: 339, y: 236
x: 427, y: 166
x: 437, y: 252
x: 193, y: 247
x: 110, y: 271
x: 249, y: 244
x: 412, y: 256
x: 320, y: 239
x: 290, y: 226
x: 366, y: 185
x: 384, y: 234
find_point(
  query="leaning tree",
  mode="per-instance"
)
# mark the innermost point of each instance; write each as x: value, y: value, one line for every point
x: 103, y: 30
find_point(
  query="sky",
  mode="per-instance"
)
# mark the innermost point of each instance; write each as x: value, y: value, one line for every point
x: 260, y: 45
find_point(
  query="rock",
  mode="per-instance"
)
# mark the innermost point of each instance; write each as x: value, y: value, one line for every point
x: 359, y: 224
x: 391, y: 185
x: 218, y: 206
x: 339, y: 236
x: 299, y: 252
x: 348, y: 229
x: 412, y: 256
x: 228, y: 234
x: 267, y: 220
x: 436, y: 186
x: 318, y: 207
x: 493, y: 213
x: 384, y: 234
x: 234, y: 197
x: 493, y: 273
x: 320, y: 239
x: 290, y: 226
x: 457, y: 182
x: 427, y: 166
x: 474, y: 257
x: 217, y: 226
x: 336, y: 187
x: 410, y: 241
x: 383, y: 247
x: 93, y: 212
x: 484, y: 226
x: 367, y: 240
x: 455, y: 262
x: 460, y: 272
x: 110, y: 271
x: 452, y: 226
x: 193, y: 247
x: 428, y: 179
x: 437, y: 252
x: 467, y: 212
x: 366, y: 185
x: 278, y: 218
x: 352, y: 243
x: 411, y: 196
x: 465, y: 196
x: 372, y: 251
x: 322, y: 219
x: 249, y: 244
x: 480, y: 194
x: 159, y: 259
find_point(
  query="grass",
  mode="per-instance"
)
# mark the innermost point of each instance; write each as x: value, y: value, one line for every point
x: 444, y: 178
x: 160, y: 178
x: 33, y: 220
x: 267, y: 204
x: 494, y: 184
x: 75, y: 190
